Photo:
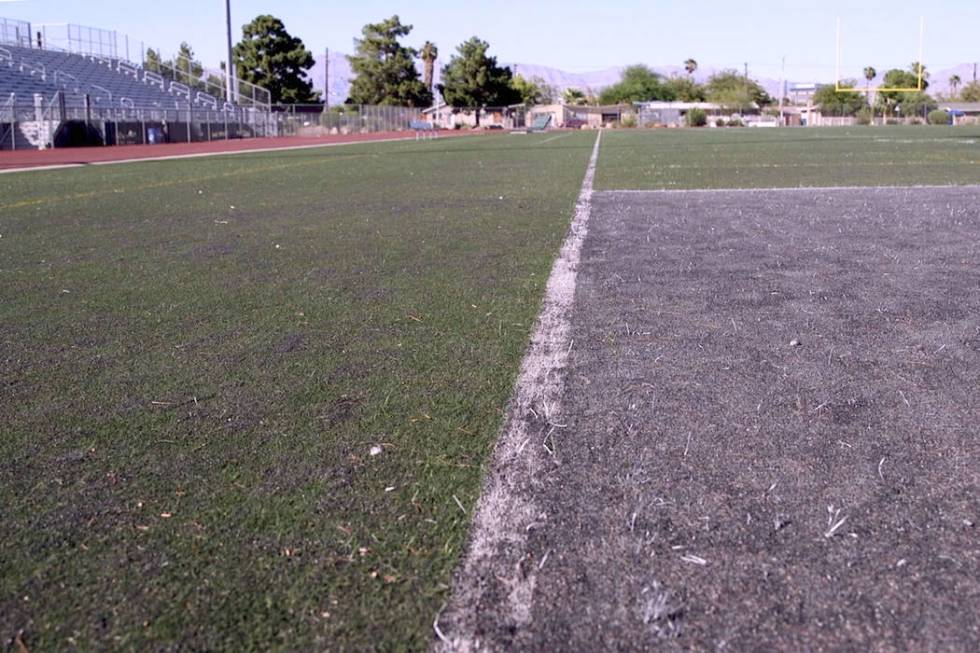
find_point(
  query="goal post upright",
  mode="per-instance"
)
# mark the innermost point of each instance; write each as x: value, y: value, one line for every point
x: 919, y: 72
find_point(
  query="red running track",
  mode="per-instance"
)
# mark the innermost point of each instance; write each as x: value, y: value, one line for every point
x: 12, y: 160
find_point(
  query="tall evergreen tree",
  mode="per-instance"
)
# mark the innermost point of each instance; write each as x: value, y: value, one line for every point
x: 385, y: 69
x: 270, y: 57
x: 472, y: 79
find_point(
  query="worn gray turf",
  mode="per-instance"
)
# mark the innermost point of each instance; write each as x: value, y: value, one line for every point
x: 769, y: 433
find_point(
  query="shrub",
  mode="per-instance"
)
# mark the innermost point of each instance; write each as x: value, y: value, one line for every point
x: 938, y: 117
x: 720, y: 122
x: 696, y: 118
x: 864, y: 116
x: 628, y: 122
x: 735, y: 122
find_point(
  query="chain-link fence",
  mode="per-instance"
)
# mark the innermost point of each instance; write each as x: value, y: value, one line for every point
x: 313, y: 120
x: 65, y: 121
x: 15, y: 32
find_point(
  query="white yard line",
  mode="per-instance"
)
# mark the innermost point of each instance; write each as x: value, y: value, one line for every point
x: 505, y: 511
x: 655, y: 191
x: 553, y: 138
x: 197, y: 155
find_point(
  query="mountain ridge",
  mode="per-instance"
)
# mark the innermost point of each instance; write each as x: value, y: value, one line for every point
x: 595, y: 81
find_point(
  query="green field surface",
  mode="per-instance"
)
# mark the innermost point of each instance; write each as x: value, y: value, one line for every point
x: 764, y: 158
x: 198, y: 356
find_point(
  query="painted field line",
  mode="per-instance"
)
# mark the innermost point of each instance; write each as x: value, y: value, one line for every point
x: 197, y: 155
x: 788, y: 189
x: 506, y: 509
x: 553, y: 138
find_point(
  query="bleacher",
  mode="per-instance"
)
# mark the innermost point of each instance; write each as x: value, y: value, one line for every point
x: 107, y: 82
x: 65, y: 85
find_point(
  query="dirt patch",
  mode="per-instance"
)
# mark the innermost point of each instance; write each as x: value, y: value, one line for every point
x: 764, y: 445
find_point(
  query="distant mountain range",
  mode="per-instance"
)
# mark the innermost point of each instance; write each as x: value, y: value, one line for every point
x: 595, y: 81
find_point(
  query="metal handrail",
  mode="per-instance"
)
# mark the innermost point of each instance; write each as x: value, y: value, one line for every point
x: 35, y: 68
x: 180, y: 89
x: 60, y: 74
x: 126, y: 103
x: 6, y: 55
x: 128, y: 68
x: 103, y: 89
x: 156, y: 79
x: 207, y: 99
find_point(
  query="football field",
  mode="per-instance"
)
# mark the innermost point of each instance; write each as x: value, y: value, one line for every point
x: 252, y: 402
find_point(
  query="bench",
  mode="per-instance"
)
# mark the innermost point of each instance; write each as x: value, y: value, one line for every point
x: 423, y: 129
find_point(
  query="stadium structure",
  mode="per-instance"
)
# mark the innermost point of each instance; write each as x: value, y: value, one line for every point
x: 73, y: 85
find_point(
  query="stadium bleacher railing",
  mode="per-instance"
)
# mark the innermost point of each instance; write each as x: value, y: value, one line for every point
x: 113, y: 50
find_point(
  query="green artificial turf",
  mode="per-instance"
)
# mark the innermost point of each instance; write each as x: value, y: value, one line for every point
x: 763, y: 158
x: 197, y: 357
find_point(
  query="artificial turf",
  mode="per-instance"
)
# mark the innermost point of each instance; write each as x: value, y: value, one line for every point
x: 197, y: 358
x: 763, y: 158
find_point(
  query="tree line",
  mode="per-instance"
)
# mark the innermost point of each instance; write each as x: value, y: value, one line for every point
x: 385, y: 73
x: 267, y: 56
x: 851, y: 100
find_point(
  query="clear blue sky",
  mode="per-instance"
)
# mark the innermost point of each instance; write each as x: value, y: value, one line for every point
x: 571, y: 34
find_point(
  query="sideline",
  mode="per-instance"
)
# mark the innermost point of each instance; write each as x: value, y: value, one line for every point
x: 493, y: 572
x: 195, y: 155
x: 783, y: 189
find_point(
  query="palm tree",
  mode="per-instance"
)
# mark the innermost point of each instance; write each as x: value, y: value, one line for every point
x: 690, y: 66
x: 429, y: 55
x: 954, y: 83
x: 869, y: 75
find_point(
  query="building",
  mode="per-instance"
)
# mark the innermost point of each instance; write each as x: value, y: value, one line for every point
x: 964, y: 113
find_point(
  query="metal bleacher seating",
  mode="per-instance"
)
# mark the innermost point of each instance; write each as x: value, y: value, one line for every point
x: 107, y: 82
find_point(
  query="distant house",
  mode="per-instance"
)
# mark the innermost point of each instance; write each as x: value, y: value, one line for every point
x: 964, y: 113
x: 444, y: 116
x: 674, y: 113
x: 802, y: 94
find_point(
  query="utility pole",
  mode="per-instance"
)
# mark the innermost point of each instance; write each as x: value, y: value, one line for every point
x: 782, y: 93
x: 229, y: 67
x: 974, y: 71
x: 326, y: 78
x: 746, y: 70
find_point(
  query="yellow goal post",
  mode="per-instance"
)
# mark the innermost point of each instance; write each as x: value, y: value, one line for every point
x: 919, y: 86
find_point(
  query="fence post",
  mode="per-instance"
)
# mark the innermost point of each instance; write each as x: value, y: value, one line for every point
x: 224, y: 113
x: 189, y: 122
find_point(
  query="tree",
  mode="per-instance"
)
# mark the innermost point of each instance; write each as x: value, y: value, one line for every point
x: 971, y: 92
x: 869, y: 74
x: 918, y: 69
x: 915, y: 104
x: 384, y: 69
x: 844, y: 102
x: 429, y: 54
x: 954, y: 83
x: 153, y: 62
x: 268, y: 56
x: 909, y: 103
x: 472, y: 79
x: 574, y: 97
x: 637, y: 84
x: 187, y: 70
x: 735, y: 92
x: 690, y: 66
x: 684, y: 89
x: 696, y: 118
x: 534, y: 90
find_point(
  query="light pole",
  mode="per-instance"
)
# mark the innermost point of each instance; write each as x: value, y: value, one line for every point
x: 229, y: 67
